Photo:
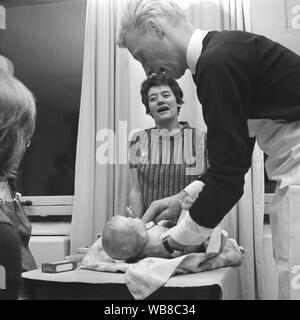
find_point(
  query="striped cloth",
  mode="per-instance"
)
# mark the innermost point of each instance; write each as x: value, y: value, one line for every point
x: 167, y: 162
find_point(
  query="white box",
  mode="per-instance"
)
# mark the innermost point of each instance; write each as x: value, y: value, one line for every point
x: 49, y: 248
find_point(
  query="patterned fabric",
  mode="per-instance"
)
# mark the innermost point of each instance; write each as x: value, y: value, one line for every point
x: 167, y: 162
x: 13, y: 213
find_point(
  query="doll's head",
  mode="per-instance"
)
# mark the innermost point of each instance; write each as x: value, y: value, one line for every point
x: 124, y: 238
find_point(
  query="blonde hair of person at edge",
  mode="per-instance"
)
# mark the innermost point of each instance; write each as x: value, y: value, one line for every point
x: 229, y: 68
x: 130, y: 238
x: 17, y: 123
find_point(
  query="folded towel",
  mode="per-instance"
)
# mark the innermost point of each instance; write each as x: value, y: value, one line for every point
x: 149, y: 274
x: 96, y: 259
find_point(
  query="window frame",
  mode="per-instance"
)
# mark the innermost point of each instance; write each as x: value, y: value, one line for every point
x: 44, y: 206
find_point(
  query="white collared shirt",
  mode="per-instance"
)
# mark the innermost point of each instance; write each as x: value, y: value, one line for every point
x: 187, y: 231
x: 194, y: 49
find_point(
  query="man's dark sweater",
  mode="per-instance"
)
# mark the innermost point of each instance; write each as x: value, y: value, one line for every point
x: 239, y: 76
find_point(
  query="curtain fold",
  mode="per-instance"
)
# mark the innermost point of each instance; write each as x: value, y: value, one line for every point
x: 94, y: 190
x: 245, y: 223
x: 111, y: 107
x: 102, y: 177
x: 82, y: 226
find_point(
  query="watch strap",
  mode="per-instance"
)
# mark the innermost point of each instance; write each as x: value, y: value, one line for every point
x: 174, y: 253
x: 166, y: 245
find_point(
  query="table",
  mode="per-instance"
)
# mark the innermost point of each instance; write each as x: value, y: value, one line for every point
x: 223, y: 283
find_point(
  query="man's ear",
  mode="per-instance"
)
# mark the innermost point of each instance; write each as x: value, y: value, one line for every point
x: 155, y: 28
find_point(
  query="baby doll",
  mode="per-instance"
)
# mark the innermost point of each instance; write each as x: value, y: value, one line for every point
x: 127, y: 238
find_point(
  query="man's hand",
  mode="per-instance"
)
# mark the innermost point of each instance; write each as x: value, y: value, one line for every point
x: 165, y: 209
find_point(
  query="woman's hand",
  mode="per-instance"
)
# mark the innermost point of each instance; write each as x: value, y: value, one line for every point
x: 130, y: 212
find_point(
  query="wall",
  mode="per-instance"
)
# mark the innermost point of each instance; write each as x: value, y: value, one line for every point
x: 272, y: 16
x: 45, y: 43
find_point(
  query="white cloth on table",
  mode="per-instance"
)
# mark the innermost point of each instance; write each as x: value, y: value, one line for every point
x: 149, y: 274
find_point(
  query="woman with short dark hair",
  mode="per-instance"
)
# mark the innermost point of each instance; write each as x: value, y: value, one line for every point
x: 166, y: 158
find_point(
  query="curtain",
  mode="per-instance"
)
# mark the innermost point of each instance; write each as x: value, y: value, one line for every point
x: 2, y: 18
x: 245, y: 224
x: 111, y: 109
x: 100, y: 186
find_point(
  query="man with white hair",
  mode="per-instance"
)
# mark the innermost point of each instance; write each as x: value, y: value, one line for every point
x: 249, y: 87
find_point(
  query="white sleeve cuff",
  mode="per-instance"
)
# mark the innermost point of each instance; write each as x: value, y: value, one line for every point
x: 194, y: 188
x: 188, y: 232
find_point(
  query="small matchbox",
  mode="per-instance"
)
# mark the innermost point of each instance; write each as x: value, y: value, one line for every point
x: 59, y: 266
x: 83, y: 250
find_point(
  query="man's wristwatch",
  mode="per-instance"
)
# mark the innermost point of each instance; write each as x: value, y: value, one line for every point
x: 173, y: 252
